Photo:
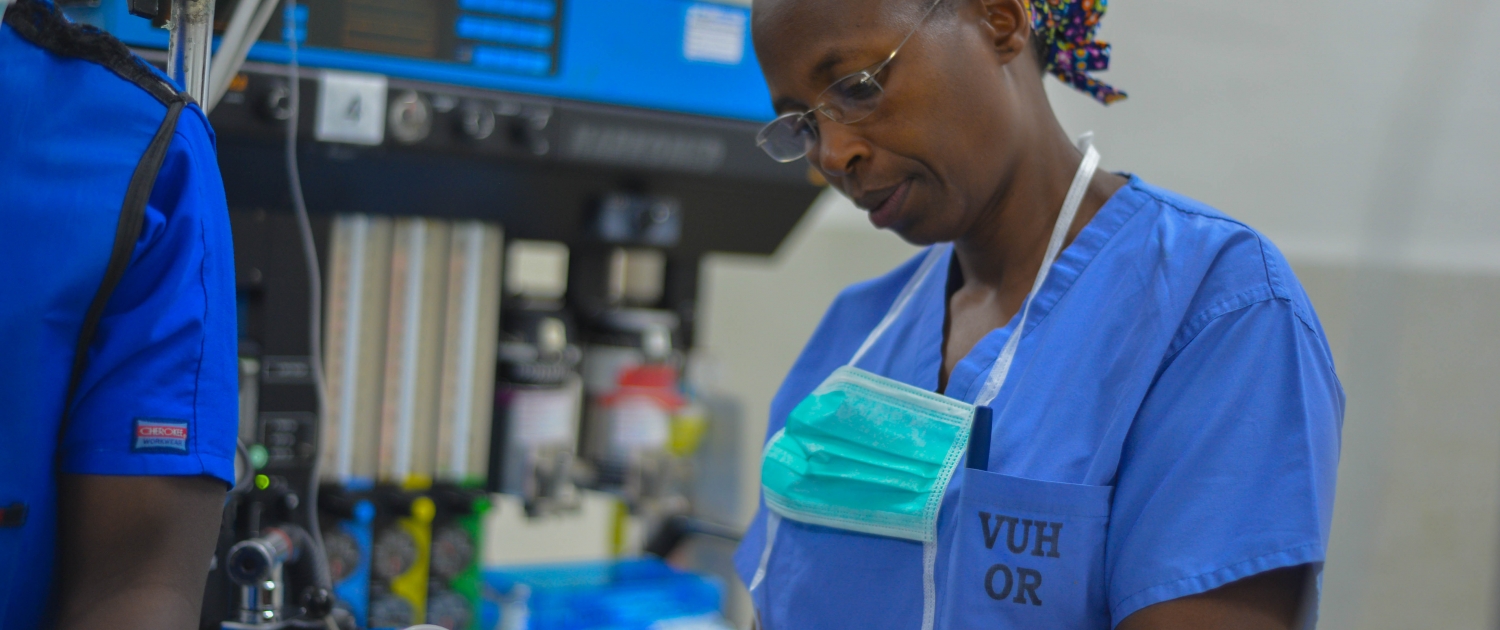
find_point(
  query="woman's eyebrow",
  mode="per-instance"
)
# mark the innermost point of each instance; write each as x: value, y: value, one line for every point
x: 830, y: 60
x: 787, y: 103
x: 823, y: 70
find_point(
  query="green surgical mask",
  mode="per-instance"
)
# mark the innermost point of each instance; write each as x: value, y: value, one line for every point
x: 870, y: 454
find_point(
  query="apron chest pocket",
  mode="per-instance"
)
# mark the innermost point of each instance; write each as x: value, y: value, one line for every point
x: 1026, y: 554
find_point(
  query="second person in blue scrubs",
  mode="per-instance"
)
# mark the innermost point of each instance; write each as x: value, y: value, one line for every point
x: 1164, y: 446
x: 113, y: 469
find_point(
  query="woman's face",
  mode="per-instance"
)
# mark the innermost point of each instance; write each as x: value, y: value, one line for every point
x: 935, y: 153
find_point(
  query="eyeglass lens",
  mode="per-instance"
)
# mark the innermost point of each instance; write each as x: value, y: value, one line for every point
x: 852, y: 98
x: 788, y: 137
x: 847, y: 101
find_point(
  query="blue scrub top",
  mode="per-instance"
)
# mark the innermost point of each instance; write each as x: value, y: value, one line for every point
x: 1170, y: 424
x: 71, y: 134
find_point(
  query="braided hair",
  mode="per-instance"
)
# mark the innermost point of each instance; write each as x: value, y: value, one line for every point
x: 1063, y: 36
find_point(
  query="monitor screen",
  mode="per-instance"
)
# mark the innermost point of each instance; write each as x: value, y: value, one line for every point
x: 511, y: 36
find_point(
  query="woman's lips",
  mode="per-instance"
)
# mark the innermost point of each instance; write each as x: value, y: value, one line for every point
x: 883, y: 215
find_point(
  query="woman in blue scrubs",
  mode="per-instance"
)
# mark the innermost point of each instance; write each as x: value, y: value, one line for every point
x: 1090, y: 403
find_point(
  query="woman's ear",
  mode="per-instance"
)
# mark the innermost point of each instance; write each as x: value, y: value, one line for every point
x: 1008, y: 25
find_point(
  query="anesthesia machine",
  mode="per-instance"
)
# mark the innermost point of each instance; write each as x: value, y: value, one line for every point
x: 387, y: 163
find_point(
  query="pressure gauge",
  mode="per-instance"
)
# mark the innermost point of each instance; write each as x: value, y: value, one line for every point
x: 447, y: 609
x: 452, y: 551
x: 343, y: 554
x: 391, y: 611
x: 395, y: 553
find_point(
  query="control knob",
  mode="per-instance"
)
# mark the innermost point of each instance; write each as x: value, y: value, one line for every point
x: 410, y: 117
x: 477, y: 121
x: 277, y: 105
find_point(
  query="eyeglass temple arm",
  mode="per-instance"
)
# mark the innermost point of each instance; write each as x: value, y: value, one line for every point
x: 914, y: 29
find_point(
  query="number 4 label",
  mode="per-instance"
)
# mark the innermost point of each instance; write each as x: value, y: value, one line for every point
x: 351, y: 108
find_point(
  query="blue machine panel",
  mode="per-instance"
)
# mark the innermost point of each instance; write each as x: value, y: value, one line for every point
x: 680, y: 56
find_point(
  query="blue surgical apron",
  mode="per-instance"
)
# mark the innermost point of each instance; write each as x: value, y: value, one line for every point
x: 159, y: 394
x: 1170, y: 424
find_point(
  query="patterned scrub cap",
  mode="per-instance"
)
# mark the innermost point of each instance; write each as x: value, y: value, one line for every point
x: 1066, y: 28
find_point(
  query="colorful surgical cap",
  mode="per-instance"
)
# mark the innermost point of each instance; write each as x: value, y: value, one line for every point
x: 1066, y: 29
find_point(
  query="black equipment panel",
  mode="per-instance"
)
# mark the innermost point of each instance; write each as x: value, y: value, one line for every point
x: 543, y: 172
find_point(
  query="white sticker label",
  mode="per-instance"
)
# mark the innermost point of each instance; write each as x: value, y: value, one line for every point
x: 351, y: 108
x: 542, y: 417
x: 715, y: 34
x: 639, y: 423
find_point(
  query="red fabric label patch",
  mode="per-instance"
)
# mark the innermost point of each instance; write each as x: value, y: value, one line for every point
x: 155, y: 435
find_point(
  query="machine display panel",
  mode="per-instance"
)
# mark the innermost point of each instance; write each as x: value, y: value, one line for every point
x: 682, y: 56
x: 507, y: 36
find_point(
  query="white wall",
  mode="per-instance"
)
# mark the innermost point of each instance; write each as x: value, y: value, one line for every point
x: 1313, y: 120
x: 1361, y: 136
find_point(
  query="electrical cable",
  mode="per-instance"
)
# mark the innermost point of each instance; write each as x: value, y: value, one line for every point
x: 314, y: 289
x: 242, y: 481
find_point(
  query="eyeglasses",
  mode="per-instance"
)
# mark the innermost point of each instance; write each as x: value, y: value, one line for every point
x: 847, y: 101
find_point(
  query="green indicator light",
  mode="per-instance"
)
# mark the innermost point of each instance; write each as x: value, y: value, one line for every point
x: 258, y: 456
x: 262, y: 482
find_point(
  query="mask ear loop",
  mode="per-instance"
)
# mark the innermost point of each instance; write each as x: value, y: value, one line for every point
x: 773, y: 523
x: 929, y: 584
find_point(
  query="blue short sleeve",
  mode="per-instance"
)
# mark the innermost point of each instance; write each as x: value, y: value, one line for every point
x: 159, y: 395
x: 1228, y: 470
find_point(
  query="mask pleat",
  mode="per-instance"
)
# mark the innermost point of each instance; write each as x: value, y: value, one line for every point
x: 862, y: 448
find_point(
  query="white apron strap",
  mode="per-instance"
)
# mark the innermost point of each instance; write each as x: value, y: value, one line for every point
x: 1008, y: 353
x: 934, y: 254
x: 1001, y: 369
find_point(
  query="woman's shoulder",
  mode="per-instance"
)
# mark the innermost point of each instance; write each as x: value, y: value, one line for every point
x: 1214, y: 259
x: 1185, y: 225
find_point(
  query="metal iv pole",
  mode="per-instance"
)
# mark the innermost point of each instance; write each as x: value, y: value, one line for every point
x: 190, y: 46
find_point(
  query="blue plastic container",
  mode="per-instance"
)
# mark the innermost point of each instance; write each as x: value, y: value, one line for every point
x: 625, y: 595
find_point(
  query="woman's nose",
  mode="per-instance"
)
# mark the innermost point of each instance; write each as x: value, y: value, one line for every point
x: 838, y: 149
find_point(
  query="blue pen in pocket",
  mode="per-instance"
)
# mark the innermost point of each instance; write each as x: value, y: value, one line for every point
x: 979, y: 439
